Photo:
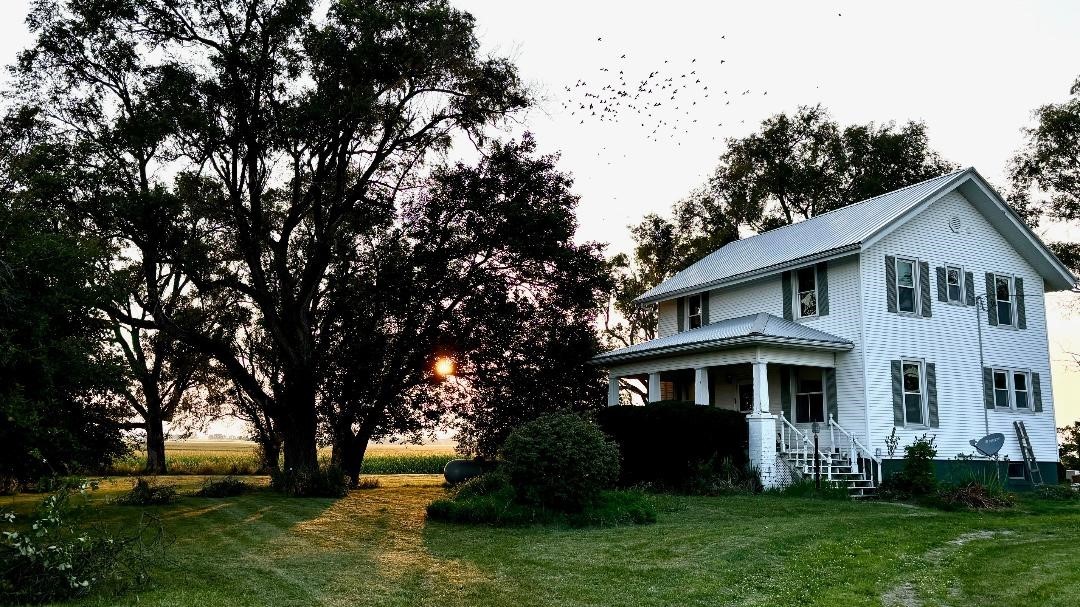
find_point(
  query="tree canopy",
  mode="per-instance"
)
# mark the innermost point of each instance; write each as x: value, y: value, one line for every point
x: 795, y: 166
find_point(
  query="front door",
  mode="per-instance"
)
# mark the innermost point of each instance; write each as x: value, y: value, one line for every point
x: 746, y: 397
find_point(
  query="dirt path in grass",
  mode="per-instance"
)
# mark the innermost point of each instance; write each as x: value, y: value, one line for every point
x: 905, y: 594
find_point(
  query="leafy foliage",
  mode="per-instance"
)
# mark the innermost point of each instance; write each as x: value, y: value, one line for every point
x: 146, y: 492
x: 53, y: 557
x: 559, y: 461
x: 794, y: 167
x: 1063, y: 493
x: 329, y: 481
x: 489, y: 499
x: 916, y: 479
x: 1069, y: 446
x: 676, y: 446
x: 223, y: 487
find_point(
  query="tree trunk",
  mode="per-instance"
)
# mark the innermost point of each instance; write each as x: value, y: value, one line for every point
x: 155, y: 445
x: 299, y: 432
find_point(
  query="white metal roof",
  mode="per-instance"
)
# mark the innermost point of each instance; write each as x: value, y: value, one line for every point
x: 835, y: 232
x: 758, y: 328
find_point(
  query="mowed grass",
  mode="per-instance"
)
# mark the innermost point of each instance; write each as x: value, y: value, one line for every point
x: 236, y: 457
x: 375, y: 548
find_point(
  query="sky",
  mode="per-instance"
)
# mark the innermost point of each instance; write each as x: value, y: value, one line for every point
x: 972, y: 71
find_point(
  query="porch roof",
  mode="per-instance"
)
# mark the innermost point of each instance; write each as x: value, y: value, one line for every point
x: 752, y: 329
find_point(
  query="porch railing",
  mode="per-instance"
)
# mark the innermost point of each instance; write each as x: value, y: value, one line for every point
x: 857, y: 452
x: 799, y: 446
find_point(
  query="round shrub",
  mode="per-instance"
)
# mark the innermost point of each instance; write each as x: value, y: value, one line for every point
x: 559, y: 461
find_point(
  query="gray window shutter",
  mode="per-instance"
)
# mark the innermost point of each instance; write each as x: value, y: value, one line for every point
x: 897, y: 393
x: 969, y: 288
x: 924, y: 288
x: 890, y: 281
x: 830, y: 392
x: 1036, y: 392
x: 785, y: 393
x: 823, y: 288
x: 991, y: 300
x: 1021, y: 310
x: 785, y: 278
x: 988, y: 388
x: 680, y: 305
x: 942, y: 285
x: 705, y: 308
x: 931, y: 395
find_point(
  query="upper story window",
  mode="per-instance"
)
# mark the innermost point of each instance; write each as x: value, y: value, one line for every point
x: 1003, y: 295
x: 807, y: 294
x: 1012, y: 389
x: 907, y: 293
x: 954, y: 280
x: 913, y: 393
x: 693, y: 311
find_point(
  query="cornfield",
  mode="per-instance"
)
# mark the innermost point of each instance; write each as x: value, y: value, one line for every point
x: 239, y: 458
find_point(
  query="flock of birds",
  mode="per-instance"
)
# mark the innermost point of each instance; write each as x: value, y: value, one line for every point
x: 663, y: 101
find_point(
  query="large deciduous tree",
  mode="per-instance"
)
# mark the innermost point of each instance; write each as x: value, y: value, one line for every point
x: 1045, y: 172
x: 282, y: 160
x: 59, y: 410
x: 794, y: 167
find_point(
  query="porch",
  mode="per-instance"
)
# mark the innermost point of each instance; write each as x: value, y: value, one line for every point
x: 782, y: 375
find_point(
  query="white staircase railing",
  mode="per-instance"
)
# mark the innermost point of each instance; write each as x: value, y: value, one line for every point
x: 799, y: 447
x: 857, y: 452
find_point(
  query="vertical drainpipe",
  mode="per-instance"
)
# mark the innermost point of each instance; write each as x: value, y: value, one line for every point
x: 980, y: 301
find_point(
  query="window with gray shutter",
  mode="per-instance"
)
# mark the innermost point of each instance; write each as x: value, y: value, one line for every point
x: 785, y: 279
x: 830, y: 393
x: 942, y: 287
x: 991, y: 300
x: 705, y: 307
x: 988, y: 387
x: 931, y: 395
x: 969, y: 288
x: 1036, y: 393
x: 680, y: 314
x: 924, y: 288
x: 890, y: 281
x: 1021, y: 309
x: 896, y: 372
x: 823, y: 288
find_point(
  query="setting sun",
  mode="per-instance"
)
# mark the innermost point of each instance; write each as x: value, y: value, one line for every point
x: 444, y: 366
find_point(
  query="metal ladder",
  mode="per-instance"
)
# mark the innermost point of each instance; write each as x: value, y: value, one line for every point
x: 1028, y: 453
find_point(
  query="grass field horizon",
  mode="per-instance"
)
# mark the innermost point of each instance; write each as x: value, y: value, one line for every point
x: 239, y: 457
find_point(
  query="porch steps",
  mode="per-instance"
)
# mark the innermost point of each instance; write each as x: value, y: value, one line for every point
x: 858, y: 486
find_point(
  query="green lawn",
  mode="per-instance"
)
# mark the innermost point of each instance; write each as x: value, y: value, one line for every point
x: 375, y: 548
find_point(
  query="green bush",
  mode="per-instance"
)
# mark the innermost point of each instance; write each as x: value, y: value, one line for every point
x: 724, y: 478
x: 489, y: 499
x: 224, y: 487
x: 146, y: 492
x: 559, y: 461
x: 1061, y: 493
x: 807, y: 487
x: 324, y: 482
x: 916, y: 479
x: 670, y: 445
x: 54, y: 556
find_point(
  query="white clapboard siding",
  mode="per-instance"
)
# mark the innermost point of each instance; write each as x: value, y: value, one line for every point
x: 762, y: 295
x: 950, y: 338
x: 667, y: 321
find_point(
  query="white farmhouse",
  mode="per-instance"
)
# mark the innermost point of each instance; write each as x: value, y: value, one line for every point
x: 920, y: 311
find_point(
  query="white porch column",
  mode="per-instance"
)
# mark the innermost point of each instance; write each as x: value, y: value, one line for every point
x: 613, y: 390
x: 701, y: 386
x: 654, y: 387
x: 762, y: 426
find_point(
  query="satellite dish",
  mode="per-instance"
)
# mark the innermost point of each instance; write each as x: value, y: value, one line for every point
x: 990, y: 444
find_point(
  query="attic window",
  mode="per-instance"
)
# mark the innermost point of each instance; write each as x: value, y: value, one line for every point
x: 693, y: 311
x: 807, y: 302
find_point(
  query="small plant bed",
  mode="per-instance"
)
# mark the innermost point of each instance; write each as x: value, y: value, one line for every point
x: 229, y: 486
x: 808, y: 488
x: 490, y: 500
